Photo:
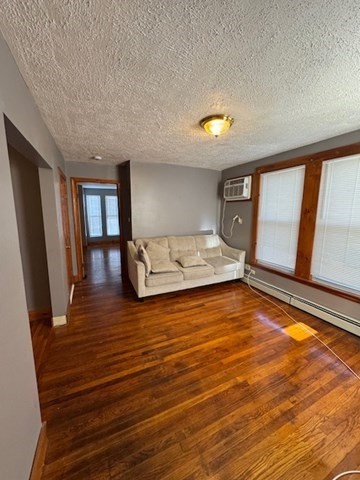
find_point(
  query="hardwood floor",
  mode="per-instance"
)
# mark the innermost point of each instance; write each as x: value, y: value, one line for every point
x: 41, y: 336
x: 203, y: 384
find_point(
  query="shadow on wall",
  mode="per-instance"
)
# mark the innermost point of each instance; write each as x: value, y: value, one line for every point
x: 27, y: 199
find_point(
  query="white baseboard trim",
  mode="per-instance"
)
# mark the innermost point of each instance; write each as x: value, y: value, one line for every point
x: 338, y: 319
x: 59, y: 321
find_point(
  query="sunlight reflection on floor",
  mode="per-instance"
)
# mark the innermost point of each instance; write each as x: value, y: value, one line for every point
x: 299, y: 331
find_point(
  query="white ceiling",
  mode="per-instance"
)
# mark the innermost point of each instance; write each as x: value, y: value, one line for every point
x: 130, y: 79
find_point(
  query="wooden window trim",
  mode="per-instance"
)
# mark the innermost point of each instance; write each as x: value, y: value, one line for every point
x: 308, y: 214
x: 313, y: 168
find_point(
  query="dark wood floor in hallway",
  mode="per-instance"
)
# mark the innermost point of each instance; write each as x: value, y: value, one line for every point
x: 202, y: 384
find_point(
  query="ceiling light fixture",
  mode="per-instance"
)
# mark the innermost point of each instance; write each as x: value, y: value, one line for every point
x: 216, y: 124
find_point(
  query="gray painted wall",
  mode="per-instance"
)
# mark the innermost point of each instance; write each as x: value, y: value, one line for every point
x: 26, y: 189
x: 242, y: 233
x: 20, y: 414
x: 173, y: 200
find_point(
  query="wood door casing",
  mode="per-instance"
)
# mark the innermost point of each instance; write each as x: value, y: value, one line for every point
x: 66, y: 226
x: 75, y: 181
x: 125, y: 214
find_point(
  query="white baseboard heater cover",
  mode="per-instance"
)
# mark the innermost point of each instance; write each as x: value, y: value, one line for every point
x: 338, y: 319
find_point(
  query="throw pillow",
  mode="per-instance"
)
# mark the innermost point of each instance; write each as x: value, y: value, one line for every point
x: 165, y: 266
x: 144, y: 257
x: 191, y: 261
x: 157, y: 253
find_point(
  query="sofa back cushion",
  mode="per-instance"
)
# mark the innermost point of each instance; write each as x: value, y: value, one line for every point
x: 207, y: 241
x: 163, y: 241
x: 181, y: 246
x: 210, y: 252
x: 176, y: 254
x: 208, y: 245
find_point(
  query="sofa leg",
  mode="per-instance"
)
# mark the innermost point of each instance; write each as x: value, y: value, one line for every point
x: 141, y: 299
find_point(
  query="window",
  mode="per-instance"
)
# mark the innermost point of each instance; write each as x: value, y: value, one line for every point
x: 307, y: 220
x: 279, y: 217
x: 336, y: 257
x: 112, y: 215
x: 93, y: 209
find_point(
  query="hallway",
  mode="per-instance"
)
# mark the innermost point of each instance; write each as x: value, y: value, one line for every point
x: 203, y: 384
x: 103, y: 264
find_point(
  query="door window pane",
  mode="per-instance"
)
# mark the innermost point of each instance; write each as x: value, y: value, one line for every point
x: 112, y: 215
x: 93, y: 212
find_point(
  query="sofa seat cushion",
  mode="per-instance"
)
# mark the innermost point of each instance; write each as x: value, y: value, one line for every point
x: 192, y: 273
x: 159, y: 279
x: 223, y: 264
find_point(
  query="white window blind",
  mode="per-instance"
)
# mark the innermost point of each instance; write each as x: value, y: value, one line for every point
x: 281, y: 194
x: 336, y: 255
x: 93, y: 212
x: 112, y: 215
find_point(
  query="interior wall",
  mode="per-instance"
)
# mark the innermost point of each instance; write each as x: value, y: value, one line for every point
x: 242, y: 233
x: 26, y: 189
x: 173, y: 200
x: 20, y: 413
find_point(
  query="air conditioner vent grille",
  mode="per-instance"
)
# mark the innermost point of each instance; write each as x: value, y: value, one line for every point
x: 237, y: 189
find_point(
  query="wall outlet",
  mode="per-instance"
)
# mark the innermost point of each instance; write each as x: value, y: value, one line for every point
x: 247, y: 267
x: 238, y: 219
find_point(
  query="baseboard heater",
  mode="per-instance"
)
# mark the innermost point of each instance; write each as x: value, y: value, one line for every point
x: 338, y: 319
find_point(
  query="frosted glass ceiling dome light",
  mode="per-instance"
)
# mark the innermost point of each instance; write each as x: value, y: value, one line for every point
x: 216, y: 124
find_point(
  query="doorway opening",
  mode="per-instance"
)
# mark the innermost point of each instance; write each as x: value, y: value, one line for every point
x: 96, y: 208
x: 25, y: 180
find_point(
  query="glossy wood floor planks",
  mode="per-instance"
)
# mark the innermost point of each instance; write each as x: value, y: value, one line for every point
x: 202, y: 384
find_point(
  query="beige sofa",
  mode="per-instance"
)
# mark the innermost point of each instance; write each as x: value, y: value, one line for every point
x: 221, y: 263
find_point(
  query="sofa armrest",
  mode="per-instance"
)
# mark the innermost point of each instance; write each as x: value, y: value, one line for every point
x: 233, y: 253
x: 136, y: 270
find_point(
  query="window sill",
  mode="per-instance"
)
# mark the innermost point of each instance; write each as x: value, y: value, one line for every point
x: 334, y: 291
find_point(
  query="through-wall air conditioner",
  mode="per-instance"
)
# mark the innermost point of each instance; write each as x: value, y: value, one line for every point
x: 237, y: 189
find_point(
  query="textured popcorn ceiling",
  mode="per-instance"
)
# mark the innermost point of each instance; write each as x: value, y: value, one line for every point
x: 130, y: 79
